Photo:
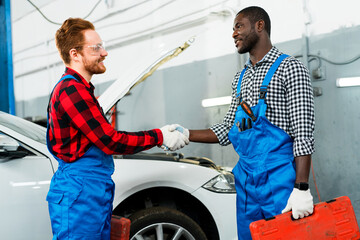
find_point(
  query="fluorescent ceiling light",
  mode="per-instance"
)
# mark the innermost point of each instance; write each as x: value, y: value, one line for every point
x: 211, y: 102
x: 348, y: 82
x: 25, y: 184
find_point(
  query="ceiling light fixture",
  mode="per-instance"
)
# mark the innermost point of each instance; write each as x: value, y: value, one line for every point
x: 348, y: 82
x: 212, y: 102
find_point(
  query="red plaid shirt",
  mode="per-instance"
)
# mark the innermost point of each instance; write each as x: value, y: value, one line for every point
x: 76, y: 122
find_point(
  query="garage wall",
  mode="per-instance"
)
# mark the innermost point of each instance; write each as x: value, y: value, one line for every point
x: 173, y: 94
x: 337, y: 158
x: 135, y: 32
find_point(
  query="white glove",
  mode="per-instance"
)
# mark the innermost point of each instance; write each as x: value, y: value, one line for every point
x: 301, y: 203
x: 173, y: 140
x: 181, y: 129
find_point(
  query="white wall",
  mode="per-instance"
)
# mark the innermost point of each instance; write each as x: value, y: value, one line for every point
x: 140, y: 34
x: 141, y: 30
x: 204, y: 70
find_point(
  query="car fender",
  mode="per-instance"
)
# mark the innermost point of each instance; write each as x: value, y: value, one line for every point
x: 132, y: 176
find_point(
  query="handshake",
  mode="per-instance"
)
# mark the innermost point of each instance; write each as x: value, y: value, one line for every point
x: 174, y: 137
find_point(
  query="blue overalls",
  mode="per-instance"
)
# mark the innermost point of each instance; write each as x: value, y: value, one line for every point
x: 81, y: 195
x: 265, y: 172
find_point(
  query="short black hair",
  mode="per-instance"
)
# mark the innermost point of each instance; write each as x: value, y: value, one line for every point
x: 255, y: 14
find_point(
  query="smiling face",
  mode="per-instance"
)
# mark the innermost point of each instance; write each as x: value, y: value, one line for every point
x: 245, y: 36
x: 93, y: 53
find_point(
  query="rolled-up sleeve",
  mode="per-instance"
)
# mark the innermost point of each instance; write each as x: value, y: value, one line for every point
x: 300, y: 99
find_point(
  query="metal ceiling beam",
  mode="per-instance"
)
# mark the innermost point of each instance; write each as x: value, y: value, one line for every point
x: 7, y: 98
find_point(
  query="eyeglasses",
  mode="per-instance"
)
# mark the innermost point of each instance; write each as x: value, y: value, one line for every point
x: 97, y: 48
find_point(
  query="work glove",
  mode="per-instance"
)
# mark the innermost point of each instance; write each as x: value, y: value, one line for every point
x: 173, y: 140
x: 301, y: 203
x: 181, y: 129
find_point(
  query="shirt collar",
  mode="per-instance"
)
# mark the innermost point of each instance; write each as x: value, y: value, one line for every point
x: 271, y: 56
x: 70, y: 71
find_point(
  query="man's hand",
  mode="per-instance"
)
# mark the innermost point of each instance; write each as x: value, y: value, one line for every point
x: 175, y: 137
x: 181, y: 129
x: 301, y: 203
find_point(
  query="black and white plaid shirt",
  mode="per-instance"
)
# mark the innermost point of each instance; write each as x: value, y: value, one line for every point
x: 289, y: 98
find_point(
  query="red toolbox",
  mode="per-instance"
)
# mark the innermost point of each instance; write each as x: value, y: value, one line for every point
x: 334, y: 219
x: 120, y: 228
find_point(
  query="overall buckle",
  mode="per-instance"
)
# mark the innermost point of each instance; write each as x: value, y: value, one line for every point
x: 263, y: 92
x: 238, y: 99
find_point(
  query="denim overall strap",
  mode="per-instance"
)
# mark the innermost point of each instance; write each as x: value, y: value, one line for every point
x: 238, y: 89
x: 267, y: 79
x: 47, y: 129
x: 269, y: 74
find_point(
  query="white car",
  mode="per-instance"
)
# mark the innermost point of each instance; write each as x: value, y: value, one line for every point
x: 166, y: 196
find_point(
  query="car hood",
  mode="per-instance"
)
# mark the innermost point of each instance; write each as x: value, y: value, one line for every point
x: 120, y: 87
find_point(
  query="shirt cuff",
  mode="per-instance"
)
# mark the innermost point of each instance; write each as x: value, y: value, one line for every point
x: 303, y: 147
x: 221, y: 133
x: 160, y: 138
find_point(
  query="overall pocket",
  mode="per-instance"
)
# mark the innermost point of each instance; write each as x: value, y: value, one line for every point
x: 56, y: 210
x: 87, y: 211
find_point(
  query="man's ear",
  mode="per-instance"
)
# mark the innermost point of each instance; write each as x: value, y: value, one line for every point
x: 74, y: 54
x: 260, y: 25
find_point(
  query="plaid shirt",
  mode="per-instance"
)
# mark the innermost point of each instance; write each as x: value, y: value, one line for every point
x: 76, y: 122
x: 290, y: 102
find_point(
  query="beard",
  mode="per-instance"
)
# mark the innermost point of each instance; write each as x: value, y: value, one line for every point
x: 249, y: 42
x: 95, y: 66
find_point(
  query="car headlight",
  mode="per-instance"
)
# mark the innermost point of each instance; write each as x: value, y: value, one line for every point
x: 223, y: 183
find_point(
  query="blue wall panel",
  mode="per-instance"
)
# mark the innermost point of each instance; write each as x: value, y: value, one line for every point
x: 7, y: 99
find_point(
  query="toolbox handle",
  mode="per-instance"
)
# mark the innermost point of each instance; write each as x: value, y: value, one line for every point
x: 330, y: 201
x: 293, y: 219
x: 291, y: 216
x: 269, y: 218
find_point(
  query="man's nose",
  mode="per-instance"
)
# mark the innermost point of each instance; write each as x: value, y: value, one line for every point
x: 104, y: 53
x: 235, y: 33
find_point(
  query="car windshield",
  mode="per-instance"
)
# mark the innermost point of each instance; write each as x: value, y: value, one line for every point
x: 24, y: 127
